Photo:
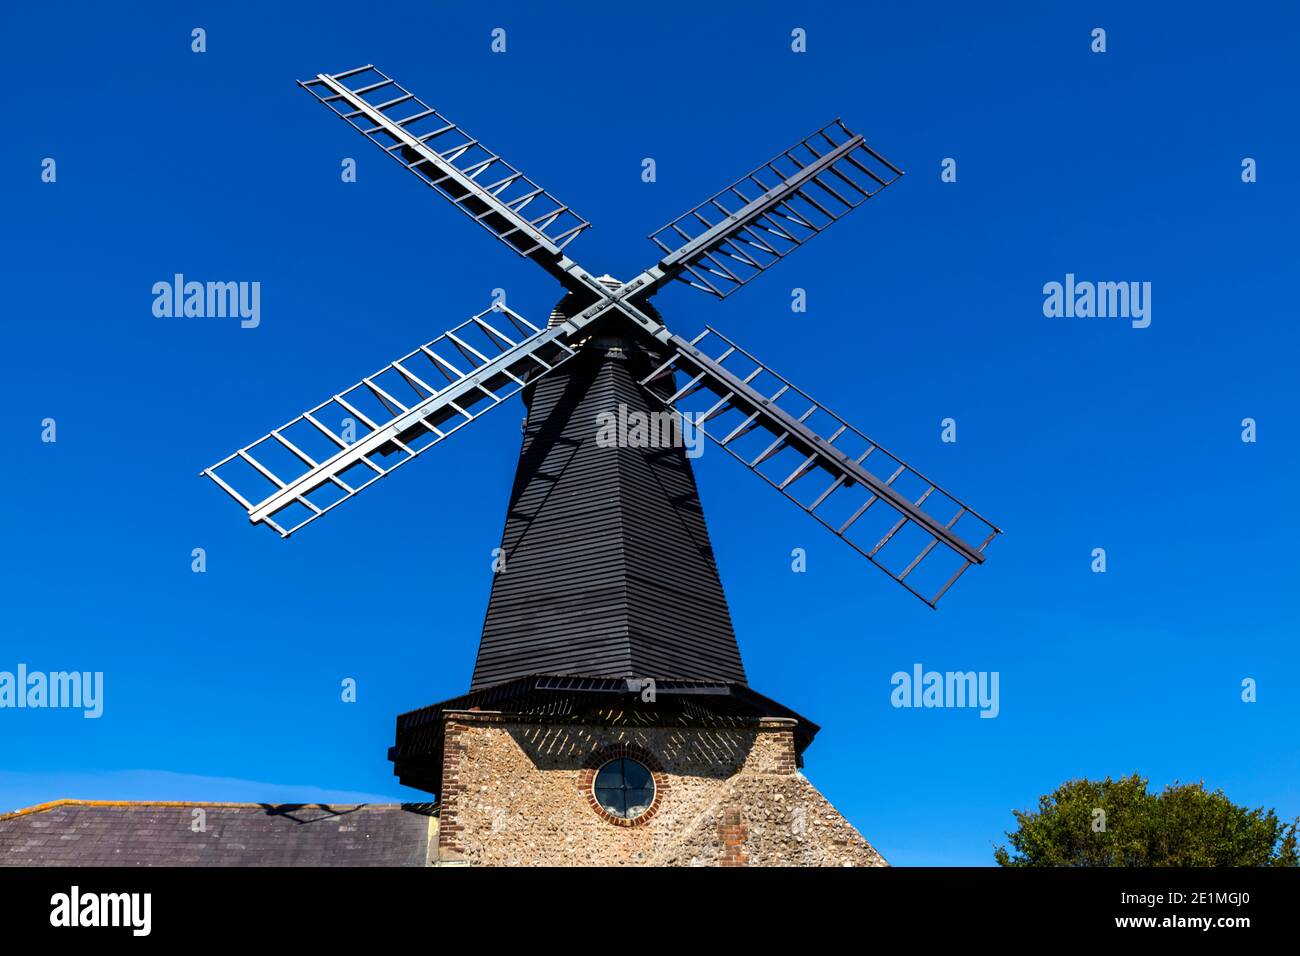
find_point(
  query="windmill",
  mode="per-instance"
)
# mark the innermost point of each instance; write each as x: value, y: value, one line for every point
x: 902, y: 522
x: 608, y: 657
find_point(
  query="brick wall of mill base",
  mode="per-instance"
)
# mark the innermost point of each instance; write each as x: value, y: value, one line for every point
x: 517, y: 792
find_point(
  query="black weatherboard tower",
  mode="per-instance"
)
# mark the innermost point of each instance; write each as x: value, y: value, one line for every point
x: 609, y: 600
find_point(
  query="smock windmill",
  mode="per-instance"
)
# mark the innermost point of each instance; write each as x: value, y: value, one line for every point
x: 609, y: 573
x: 305, y: 468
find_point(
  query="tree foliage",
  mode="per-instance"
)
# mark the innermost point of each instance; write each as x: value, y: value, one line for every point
x: 1119, y: 823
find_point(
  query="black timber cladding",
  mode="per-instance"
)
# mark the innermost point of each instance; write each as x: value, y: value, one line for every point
x: 609, y: 571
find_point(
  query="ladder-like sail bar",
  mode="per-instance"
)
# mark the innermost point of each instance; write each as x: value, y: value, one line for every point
x: 905, y: 524
x: 328, y: 454
x: 734, y: 235
x: 443, y: 155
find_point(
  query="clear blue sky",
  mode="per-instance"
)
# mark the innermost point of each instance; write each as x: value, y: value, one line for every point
x: 926, y: 304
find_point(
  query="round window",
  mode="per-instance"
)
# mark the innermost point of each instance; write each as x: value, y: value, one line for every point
x: 624, y: 788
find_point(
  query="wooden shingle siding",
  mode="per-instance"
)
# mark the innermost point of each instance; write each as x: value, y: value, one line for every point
x: 608, y: 567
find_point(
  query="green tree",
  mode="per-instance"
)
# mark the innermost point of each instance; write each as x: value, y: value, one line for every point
x: 1119, y: 823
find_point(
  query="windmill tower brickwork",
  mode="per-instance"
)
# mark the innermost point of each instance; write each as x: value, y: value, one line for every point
x: 609, y: 720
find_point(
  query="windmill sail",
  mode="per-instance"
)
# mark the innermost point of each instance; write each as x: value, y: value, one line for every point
x: 921, y: 536
x: 905, y: 524
x: 328, y: 454
x: 476, y: 180
x: 739, y: 232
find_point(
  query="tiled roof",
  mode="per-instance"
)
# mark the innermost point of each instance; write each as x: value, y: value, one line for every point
x: 113, y: 833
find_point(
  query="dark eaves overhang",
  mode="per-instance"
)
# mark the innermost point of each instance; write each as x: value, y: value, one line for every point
x: 417, y: 753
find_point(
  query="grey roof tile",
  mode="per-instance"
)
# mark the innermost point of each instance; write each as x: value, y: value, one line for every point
x: 80, y: 833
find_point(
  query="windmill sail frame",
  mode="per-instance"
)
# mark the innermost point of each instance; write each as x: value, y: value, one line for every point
x: 863, y: 477
x: 478, y: 373
x: 717, y: 247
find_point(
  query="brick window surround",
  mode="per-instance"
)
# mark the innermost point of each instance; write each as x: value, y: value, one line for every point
x: 587, y: 782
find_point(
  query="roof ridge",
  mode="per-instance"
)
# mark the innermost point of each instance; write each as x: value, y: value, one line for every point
x: 74, y: 802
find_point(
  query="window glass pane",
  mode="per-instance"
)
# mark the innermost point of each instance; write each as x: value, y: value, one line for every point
x: 611, y: 775
x: 638, y: 801
x: 613, y: 801
x: 624, y: 787
x: 635, y: 776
